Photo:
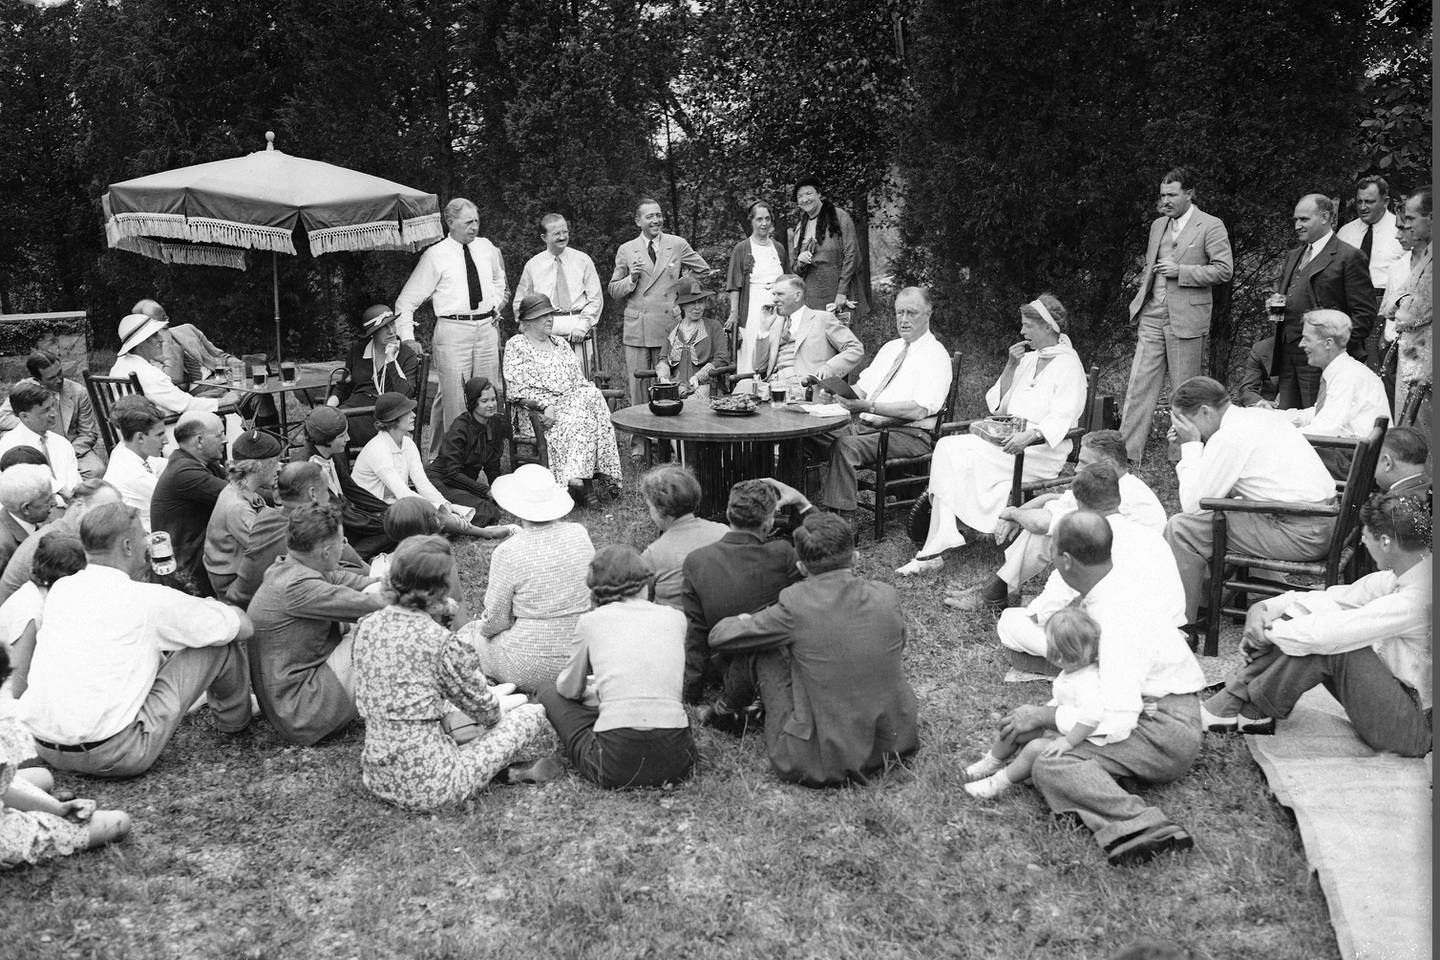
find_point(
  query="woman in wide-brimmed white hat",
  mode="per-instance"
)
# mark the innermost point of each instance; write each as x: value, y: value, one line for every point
x: 536, y: 590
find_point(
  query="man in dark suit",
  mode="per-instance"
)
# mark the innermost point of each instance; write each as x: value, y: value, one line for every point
x: 1257, y: 387
x: 186, y: 492
x: 829, y: 665
x: 1188, y: 255
x: 27, y: 493
x: 299, y: 484
x: 741, y: 572
x: 1323, y: 273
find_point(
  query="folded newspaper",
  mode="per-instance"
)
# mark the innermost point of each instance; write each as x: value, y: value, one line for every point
x: 826, y: 410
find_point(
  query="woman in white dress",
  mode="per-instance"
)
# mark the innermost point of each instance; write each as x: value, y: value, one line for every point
x: 1043, y: 382
x: 755, y: 263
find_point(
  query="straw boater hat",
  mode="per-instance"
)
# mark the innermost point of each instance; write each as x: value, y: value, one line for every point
x: 376, y: 318
x: 535, y: 306
x: 135, y: 329
x: 531, y: 493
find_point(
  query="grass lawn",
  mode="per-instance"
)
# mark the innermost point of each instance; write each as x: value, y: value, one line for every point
x: 256, y: 849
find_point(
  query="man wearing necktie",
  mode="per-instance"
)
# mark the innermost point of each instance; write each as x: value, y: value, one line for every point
x: 1373, y: 232
x: 1323, y: 273
x: 569, y: 279
x: 34, y: 408
x: 1188, y: 255
x: 904, y: 387
x: 463, y: 277
x: 647, y: 272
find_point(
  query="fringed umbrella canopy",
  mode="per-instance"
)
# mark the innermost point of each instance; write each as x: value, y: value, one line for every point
x: 215, y: 210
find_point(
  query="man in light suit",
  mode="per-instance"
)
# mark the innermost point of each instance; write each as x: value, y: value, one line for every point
x: 647, y: 271
x: 1323, y: 273
x: 1187, y: 256
x: 795, y: 341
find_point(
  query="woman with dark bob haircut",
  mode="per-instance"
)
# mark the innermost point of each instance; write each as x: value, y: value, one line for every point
x: 409, y: 669
x: 672, y: 493
x: 616, y: 705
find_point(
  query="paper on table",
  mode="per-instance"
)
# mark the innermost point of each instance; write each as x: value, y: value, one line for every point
x: 826, y: 410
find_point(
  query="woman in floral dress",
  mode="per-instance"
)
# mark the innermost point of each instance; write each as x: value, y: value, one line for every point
x: 409, y: 670
x: 541, y: 372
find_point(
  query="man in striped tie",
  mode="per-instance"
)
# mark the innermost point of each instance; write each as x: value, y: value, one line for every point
x: 903, y: 388
x: 568, y: 277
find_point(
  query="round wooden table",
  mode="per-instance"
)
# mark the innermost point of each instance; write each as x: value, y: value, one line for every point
x: 725, y: 450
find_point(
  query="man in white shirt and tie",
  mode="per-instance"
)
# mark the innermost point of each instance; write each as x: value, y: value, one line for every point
x: 903, y: 388
x: 1187, y: 256
x: 463, y: 277
x: 136, y: 464
x: 1373, y: 232
x: 1248, y: 453
x: 569, y: 279
x: 35, y: 409
x: 1351, y: 395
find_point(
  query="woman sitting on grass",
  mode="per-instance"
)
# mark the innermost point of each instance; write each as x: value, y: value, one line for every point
x: 1073, y: 637
x: 409, y: 670
x: 536, y: 588
x: 35, y: 825
x: 21, y: 615
x: 616, y: 705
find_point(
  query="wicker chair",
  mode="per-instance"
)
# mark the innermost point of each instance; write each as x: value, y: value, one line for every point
x: 1340, y: 562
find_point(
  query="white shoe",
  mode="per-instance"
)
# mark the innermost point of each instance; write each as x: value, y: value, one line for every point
x: 1210, y: 723
x: 989, y: 788
x: 986, y: 766
x: 918, y: 566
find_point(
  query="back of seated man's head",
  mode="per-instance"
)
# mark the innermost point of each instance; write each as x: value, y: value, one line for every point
x: 1407, y: 447
x: 1107, y: 445
x: 105, y: 527
x: 57, y: 555
x: 22, y: 454
x: 90, y: 493
x: 301, y: 483
x: 134, y: 414
x: 752, y: 505
x: 1097, y: 487
x: 312, y: 527
x: 824, y: 542
x: 1084, y: 536
x: 25, y: 490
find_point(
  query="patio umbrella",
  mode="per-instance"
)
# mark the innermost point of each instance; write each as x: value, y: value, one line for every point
x: 210, y: 213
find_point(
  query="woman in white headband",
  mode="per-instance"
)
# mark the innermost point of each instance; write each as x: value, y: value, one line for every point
x: 1044, y: 383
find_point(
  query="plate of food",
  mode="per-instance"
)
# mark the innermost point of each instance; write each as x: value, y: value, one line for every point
x: 736, y: 405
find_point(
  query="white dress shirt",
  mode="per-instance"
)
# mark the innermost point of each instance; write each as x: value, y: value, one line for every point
x: 99, y: 650
x: 1078, y: 699
x: 393, y: 472
x: 156, y: 385
x: 440, y: 278
x: 1397, y: 283
x: 1354, y: 397
x: 1389, y: 613
x: 1385, y: 247
x: 1138, y: 504
x: 1142, y: 558
x: 923, y: 378
x: 64, y: 467
x: 581, y: 280
x: 135, y: 478
x: 1255, y: 455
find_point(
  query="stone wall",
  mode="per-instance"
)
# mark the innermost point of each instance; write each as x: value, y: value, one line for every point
x: 66, y: 334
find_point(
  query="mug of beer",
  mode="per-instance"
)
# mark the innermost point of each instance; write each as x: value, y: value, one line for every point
x: 1275, y: 306
x: 288, y: 371
x: 162, y: 553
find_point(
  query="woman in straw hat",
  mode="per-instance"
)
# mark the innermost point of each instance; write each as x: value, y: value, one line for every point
x: 536, y: 590
x: 410, y: 670
x: 542, y: 374
x: 378, y: 363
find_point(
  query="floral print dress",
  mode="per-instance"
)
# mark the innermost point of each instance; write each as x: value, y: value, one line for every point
x: 582, y: 440
x: 29, y: 836
x: 408, y: 672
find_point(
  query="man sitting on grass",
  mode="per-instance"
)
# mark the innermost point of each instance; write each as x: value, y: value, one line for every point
x: 1146, y: 668
x: 104, y: 699
x: 828, y: 661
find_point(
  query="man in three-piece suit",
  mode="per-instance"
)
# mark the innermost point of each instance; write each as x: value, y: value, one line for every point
x: 647, y: 270
x: 1187, y: 257
x: 795, y: 341
x: 1323, y: 273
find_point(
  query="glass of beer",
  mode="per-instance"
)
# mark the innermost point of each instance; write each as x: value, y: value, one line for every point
x: 236, y: 371
x: 288, y: 371
x: 258, y: 374
x: 1275, y: 307
x: 162, y: 553
x: 778, y: 393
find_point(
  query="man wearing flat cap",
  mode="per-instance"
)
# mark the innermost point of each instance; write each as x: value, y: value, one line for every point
x: 378, y: 363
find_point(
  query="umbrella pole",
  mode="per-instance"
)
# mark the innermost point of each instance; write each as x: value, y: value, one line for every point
x: 275, y: 290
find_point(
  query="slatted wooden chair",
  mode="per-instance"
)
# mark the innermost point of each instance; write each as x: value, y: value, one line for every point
x: 1231, y: 571
x: 104, y: 391
x: 907, y: 477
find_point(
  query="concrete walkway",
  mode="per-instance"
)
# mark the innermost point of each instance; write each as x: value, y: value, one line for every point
x: 1365, y: 820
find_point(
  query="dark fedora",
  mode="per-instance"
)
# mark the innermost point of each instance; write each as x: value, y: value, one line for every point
x: 535, y: 306
x: 689, y: 291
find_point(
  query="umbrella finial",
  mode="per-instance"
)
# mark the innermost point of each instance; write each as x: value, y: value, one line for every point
x: 269, y: 139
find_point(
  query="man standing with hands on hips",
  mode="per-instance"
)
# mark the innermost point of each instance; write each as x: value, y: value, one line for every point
x: 647, y: 271
x: 1187, y: 257
x: 463, y: 276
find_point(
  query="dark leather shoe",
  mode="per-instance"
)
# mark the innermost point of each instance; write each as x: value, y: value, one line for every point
x: 1145, y: 846
x: 536, y: 771
x: 722, y: 717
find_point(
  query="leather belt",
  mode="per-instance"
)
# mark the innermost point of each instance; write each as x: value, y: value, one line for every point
x: 74, y: 747
x: 568, y: 313
x: 477, y: 317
